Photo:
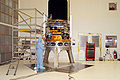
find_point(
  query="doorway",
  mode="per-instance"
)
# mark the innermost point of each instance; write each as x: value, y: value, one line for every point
x: 90, y: 38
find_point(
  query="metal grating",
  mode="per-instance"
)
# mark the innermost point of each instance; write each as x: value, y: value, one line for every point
x: 6, y: 7
x: 5, y: 43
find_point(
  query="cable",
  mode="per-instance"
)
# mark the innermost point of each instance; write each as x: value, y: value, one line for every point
x: 71, y: 77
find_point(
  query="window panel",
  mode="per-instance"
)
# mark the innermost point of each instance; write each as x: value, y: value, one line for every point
x: 95, y: 39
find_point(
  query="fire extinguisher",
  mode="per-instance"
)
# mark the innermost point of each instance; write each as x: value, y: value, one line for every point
x: 115, y: 54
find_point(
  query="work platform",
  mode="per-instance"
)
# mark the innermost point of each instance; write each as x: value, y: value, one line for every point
x: 25, y: 34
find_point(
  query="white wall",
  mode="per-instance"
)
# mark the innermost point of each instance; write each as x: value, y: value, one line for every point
x: 39, y: 4
x: 87, y: 16
x: 94, y: 16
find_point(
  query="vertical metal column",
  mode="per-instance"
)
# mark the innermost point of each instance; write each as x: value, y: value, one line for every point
x: 12, y: 34
x: 70, y: 55
x: 35, y: 36
x: 46, y: 56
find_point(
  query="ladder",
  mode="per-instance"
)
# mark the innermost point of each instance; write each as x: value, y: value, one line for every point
x: 15, y: 58
x: 13, y: 66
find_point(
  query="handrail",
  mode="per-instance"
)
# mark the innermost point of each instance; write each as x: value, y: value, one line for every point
x: 8, y: 25
x: 24, y: 20
x: 24, y: 13
x: 39, y: 12
x: 21, y: 21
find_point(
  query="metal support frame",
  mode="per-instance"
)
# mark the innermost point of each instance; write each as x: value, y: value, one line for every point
x: 57, y: 51
x: 27, y: 23
x: 27, y: 27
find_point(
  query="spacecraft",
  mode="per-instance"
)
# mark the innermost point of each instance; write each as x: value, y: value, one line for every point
x: 58, y: 31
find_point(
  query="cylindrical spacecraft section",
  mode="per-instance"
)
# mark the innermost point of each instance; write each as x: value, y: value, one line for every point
x: 57, y: 27
x: 58, y: 9
x: 58, y: 33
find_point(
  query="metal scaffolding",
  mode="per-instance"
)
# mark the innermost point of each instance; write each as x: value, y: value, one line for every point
x: 24, y: 37
x: 30, y: 26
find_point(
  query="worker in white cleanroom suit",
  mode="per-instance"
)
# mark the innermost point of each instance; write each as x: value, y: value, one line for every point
x: 39, y: 53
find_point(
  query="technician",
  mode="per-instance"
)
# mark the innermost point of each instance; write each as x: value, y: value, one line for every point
x: 39, y: 53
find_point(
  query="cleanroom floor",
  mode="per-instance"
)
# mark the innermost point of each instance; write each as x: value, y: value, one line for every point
x: 102, y: 70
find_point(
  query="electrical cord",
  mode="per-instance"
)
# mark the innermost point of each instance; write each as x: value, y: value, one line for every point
x: 71, y: 77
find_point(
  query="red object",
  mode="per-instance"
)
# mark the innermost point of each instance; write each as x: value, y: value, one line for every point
x: 115, y: 54
x: 90, y: 51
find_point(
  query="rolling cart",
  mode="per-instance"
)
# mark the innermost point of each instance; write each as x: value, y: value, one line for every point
x: 90, y: 51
